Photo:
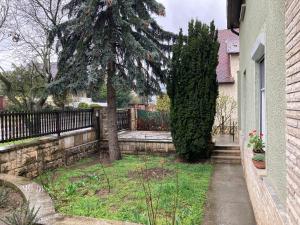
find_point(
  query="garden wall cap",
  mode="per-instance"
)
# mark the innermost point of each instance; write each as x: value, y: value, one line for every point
x: 43, y: 140
x: 32, y: 193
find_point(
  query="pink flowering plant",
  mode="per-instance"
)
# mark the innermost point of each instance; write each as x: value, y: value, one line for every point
x: 256, y: 142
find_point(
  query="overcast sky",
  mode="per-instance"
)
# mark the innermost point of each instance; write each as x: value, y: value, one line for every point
x: 178, y: 14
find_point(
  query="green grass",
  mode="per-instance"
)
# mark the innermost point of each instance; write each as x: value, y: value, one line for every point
x: 74, y: 190
x: 23, y: 141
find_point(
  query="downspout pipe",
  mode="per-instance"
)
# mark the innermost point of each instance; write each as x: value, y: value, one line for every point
x: 234, y: 31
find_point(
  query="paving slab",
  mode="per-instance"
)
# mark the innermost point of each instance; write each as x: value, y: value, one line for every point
x: 146, y: 135
x: 225, y: 139
x: 228, y: 201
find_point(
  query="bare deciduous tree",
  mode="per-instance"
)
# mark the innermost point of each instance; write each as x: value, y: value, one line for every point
x: 225, y: 112
x: 30, y: 22
x: 4, y: 9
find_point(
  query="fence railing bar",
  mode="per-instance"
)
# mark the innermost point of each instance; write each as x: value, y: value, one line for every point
x: 20, y: 125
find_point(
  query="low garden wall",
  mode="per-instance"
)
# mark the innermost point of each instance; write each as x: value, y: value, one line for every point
x: 266, y: 205
x: 141, y: 147
x: 32, y: 158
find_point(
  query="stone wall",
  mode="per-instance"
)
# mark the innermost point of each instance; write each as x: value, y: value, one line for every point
x: 292, y: 31
x: 32, y: 158
x: 142, y: 147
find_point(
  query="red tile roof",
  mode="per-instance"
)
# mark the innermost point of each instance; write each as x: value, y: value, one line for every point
x: 229, y: 44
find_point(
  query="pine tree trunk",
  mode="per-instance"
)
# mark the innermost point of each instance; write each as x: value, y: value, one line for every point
x: 113, y: 144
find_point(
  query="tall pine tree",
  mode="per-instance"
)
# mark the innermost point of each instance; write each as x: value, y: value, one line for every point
x: 114, y: 41
x: 193, y: 90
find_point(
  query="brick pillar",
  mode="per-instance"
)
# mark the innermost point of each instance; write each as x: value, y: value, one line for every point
x: 103, y: 123
x: 96, y: 122
x: 133, y: 119
x: 292, y: 21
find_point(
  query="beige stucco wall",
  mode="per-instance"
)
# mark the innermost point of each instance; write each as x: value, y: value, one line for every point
x: 264, y: 22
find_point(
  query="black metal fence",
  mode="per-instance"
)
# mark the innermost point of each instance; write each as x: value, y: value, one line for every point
x: 123, y: 119
x: 20, y: 125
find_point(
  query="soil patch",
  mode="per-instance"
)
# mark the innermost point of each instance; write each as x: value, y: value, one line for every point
x: 78, y: 178
x: 103, y: 193
x: 14, y: 201
x: 152, y: 173
x: 92, y: 160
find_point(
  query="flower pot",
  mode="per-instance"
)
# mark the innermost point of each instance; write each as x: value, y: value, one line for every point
x: 258, y: 151
x: 259, y: 164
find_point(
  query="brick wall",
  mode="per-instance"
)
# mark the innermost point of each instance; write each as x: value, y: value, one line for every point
x: 33, y: 158
x: 292, y: 20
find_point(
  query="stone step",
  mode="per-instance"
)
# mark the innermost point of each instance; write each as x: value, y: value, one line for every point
x: 227, y: 147
x: 226, y: 159
x: 226, y: 152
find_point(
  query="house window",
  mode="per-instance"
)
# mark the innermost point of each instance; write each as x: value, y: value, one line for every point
x: 262, y: 97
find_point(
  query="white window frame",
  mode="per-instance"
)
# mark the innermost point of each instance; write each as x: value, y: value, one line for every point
x: 258, y: 56
x: 262, y: 96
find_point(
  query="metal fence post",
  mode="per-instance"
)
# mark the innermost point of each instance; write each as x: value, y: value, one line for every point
x: 58, y: 123
x: 129, y: 125
x: 96, y: 123
x: 222, y: 127
x: 233, y: 133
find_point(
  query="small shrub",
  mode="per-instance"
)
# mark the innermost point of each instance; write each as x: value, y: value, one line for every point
x: 259, y: 157
x: 3, y: 197
x: 163, y: 103
x: 152, y: 201
x: 22, y: 216
x: 256, y: 142
x: 83, y: 105
x: 94, y: 177
x: 71, y: 189
x: 95, y: 106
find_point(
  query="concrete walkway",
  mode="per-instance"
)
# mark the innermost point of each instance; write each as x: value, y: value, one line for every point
x: 228, y: 200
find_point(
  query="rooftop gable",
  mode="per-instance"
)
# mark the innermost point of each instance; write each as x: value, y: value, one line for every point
x: 229, y: 44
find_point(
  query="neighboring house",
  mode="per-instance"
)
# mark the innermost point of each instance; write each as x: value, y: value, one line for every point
x: 227, y: 76
x: 3, y: 102
x: 268, y: 98
x: 228, y: 66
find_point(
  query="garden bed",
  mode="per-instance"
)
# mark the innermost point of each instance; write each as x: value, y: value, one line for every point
x: 120, y: 191
x: 10, y: 201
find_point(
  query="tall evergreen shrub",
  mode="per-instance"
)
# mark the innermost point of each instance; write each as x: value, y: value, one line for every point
x: 193, y: 90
